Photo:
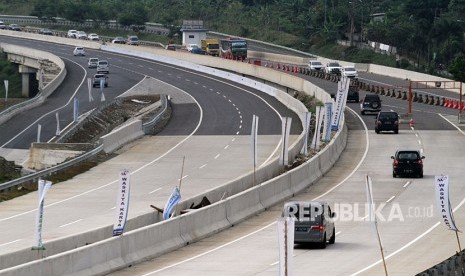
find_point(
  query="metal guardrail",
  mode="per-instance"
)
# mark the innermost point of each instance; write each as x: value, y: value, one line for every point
x: 146, y: 128
x: 64, y: 165
x: 150, y: 124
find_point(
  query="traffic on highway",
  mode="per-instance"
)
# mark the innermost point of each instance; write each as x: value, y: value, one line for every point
x: 210, y: 125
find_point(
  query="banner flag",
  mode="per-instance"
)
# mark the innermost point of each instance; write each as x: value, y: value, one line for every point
x: 6, y: 89
x: 341, y: 97
x: 102, y: 87
x: 253, y: 134
x: 57, y: 133
x: 285, y: 131
x: 173, y: 200
x: 316, y: 136
x: 89, y: 88
x: 307, y: 118
x: 43, y: 187
x: 286, y: 245
x: 327, y: 122
x: 39, y: 132
x: 443, y: 201
x: 370, y: 203
x: 76, y: 110
x: 122, y: 203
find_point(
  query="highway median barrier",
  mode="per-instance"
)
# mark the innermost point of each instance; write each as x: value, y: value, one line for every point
x: 152, y: 240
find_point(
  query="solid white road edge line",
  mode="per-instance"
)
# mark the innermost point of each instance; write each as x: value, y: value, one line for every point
x: 73, y: 222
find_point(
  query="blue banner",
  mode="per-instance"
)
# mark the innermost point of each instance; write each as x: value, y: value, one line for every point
x: 171, y: 203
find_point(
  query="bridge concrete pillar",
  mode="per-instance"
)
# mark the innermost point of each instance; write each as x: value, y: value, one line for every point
x: 26, y: 71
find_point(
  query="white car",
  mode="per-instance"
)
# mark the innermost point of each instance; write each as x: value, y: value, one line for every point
x: 333, y: 67
x: 349, y: 71
x: 103, y: 67
x: 93, y: 37
x: 315, y: 65
x: 81, y: 35
x: 71, y: 34
x: 92, y: 63
x: 189, y: 47
x: 79, y: 51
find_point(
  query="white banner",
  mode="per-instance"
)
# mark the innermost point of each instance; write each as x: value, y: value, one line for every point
x: 327, y: 122
x: 253, y: 134
x: 43, y: 187
x: 318, y: 121
x: 6, y: 89
x: 76, y: 111
x: 122, y: 203
x: 443, y: 201
x: 57, y: 133
x: 285, y: 130
x: 307, y: 118
x: 341, y: 97
x: 171, y: 203
x: 39, y: 131
x: 371, y: 206
x: 89, y: 88
x: 286, y: 245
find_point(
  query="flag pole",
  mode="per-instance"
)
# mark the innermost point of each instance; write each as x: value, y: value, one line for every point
x: 381, y: 248
x: 176, y: 211
x: 373, y: 217
x: 182, y: 171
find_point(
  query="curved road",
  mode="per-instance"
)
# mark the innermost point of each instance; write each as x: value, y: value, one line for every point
x: 210, y: 126
x: 408, y: 218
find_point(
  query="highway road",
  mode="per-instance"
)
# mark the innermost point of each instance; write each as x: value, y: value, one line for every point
x: 250, y: 248
x: 409, y: 226
x: 210, y: 126
x: 408, y: 220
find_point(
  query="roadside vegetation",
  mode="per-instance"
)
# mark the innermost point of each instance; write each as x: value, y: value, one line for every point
x: 428, y: 35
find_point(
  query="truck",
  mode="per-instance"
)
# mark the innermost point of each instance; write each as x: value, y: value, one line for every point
x: 233, y: 48
x: 211, y: 46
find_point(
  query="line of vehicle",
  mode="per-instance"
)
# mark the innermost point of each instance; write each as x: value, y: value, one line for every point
x: 273, y: 223
x: 422, y: 234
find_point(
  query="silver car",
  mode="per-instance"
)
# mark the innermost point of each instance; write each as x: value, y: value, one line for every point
x: 103, y: 66
x: 79, y: 51
x: 313, y: 222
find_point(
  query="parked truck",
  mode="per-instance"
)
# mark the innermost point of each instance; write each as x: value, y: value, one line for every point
x: 211, y: 46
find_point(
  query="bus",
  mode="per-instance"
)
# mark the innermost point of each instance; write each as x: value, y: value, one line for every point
x: 233, y: 48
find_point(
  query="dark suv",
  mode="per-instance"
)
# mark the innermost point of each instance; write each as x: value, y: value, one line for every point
x: 370, y: 103
x: 387, y: 121
x: 407, y: 162
x: 352, y: 94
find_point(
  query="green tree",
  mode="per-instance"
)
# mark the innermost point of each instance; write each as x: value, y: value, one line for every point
x: 457, y: 69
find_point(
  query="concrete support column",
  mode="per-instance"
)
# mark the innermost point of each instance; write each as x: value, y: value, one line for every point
x: 26, y: 71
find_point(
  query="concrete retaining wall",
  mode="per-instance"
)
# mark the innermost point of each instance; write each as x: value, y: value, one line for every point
x: 122, y: 135
x: 46, y: 91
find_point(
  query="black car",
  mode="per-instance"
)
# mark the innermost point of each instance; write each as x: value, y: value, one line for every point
x: 370, y: 103
x: 407, y: 162
x: 45, y: 32
x: 352, y: 94
x: 97, y: 78
x: 387, y: 121
x: 118, y: 40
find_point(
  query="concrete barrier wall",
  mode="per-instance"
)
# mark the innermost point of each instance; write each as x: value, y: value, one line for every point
x: 56, y: 39
x: 153, y: 240
x: 82, y: 257
x: 122, y: 135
